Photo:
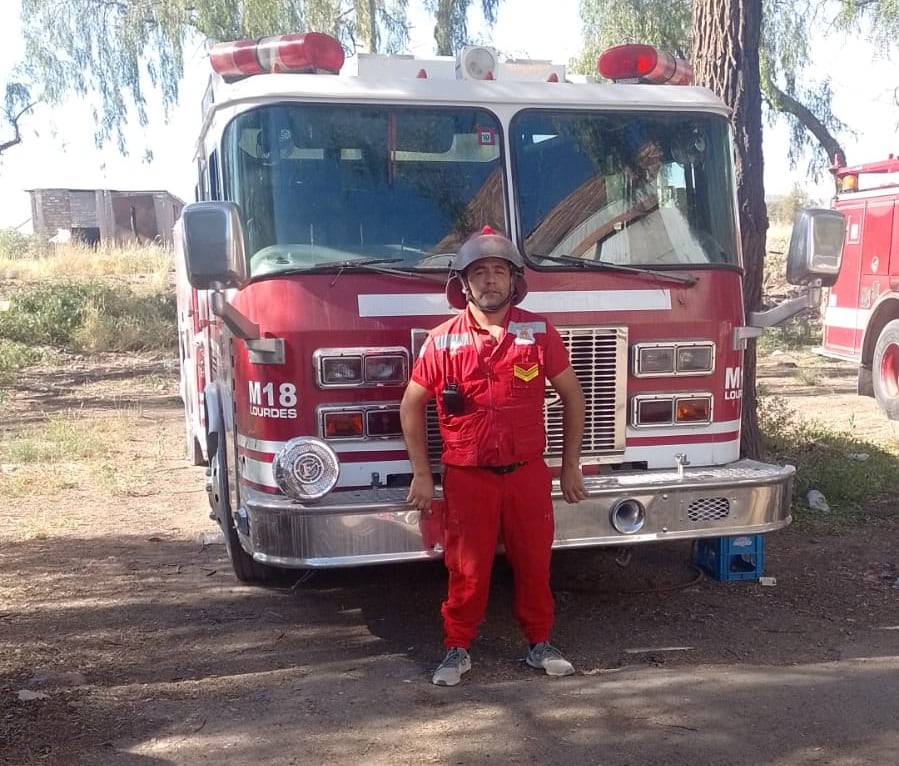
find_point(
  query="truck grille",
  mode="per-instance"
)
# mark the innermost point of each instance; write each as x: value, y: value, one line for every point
x: 599, y: 358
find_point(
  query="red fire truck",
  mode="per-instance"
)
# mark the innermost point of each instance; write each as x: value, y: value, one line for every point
x: 329, y: 208
x: 861, y: 315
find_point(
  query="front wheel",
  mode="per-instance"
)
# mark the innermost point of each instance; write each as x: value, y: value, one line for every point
x: 246, y: 568
x: 886, y: 370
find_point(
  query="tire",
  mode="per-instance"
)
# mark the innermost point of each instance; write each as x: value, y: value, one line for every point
x: 885, y: 370
x: 245, y: 567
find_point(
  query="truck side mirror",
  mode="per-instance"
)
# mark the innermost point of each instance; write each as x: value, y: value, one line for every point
x: 213, y: 241
x: 816, y: 247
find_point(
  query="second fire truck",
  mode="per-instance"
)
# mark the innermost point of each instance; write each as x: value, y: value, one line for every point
x: 861, y: 313
x: 330, y: 206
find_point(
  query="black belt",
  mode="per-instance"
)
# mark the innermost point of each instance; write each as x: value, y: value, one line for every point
x: 503, y: 469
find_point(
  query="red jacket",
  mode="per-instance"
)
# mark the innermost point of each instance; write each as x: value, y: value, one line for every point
x: 502, y: 386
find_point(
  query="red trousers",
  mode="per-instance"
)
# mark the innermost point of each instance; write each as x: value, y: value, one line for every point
x: 481, y: 506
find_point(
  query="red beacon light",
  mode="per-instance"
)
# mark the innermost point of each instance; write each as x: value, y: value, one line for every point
x: 301, y: 52
x: 643, y: 63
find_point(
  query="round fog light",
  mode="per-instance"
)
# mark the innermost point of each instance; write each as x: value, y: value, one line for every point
x: 306, y: 469
x: 628, y: 516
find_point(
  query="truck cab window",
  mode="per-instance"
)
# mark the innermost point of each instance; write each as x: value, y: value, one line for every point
x: 321, y: 184
x: 626, y: 189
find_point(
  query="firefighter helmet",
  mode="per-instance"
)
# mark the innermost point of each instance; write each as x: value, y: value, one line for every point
x: 486, y: 244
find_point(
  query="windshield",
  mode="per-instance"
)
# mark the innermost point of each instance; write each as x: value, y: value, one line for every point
x: 638, y: 189
x: 321, y: 186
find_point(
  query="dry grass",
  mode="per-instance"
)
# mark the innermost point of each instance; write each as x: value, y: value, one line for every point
x: 76, y: 454
x: 774, y: 282
x: 144, y: 267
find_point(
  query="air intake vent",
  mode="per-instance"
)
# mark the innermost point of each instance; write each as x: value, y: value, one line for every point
x: 708, y: 509
x: 599, y: 358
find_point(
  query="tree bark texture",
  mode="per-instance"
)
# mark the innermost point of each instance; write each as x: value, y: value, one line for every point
x: 726, y: 35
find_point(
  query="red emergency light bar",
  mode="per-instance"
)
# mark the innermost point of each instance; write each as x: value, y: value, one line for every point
x: 847, y: 177
x: 644, y: 63
x: 301, y: 52
x: 889, y: 165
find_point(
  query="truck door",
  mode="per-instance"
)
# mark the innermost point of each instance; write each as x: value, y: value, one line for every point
x: 876, y: 259
x: 894, y: 244
x: 843, y: 324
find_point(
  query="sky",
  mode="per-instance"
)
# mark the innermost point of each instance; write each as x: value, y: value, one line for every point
x: 58, y: 148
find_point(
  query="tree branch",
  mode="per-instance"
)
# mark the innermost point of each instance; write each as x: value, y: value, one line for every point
x: 783, y: 102
x: 13, y: 120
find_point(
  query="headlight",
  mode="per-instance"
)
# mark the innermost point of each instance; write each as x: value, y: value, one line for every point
x: 355, y: 367
x: 385, y: 369
x: 653, y: 360
x: 306, y: 469
x: 698, y: 358
x: 341, y: 371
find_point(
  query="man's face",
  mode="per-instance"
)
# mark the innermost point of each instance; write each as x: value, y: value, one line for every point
x: 490, y: 283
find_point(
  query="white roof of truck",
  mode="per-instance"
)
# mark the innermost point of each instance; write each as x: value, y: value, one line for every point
x: 498, y: 95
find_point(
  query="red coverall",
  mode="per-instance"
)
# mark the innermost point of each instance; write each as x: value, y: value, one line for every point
x: 502, y: 386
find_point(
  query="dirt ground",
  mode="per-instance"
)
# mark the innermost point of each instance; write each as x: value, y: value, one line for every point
x: 125, y: 638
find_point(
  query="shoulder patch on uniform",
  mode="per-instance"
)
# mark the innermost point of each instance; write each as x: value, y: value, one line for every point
x: 524, y: 332
x: 526, y: 373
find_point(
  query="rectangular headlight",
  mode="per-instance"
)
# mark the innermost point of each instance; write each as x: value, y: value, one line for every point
x: 695, y: 358
x: 341, y: 371
x: 385, y: 369
x: 363, y: 366
x: 654, y: 360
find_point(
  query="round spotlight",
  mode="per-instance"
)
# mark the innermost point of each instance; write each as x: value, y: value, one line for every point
x: 476, y: 63
x: 628, y: 516
x: 306, y: 469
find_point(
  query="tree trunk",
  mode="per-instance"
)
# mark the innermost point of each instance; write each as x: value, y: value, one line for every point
x: 444, y: 18
x: 726, y: 36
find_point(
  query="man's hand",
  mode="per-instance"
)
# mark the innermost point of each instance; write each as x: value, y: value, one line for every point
x: 569, y: 389
x: 572, y: 482
x: 421, y: 491
x: 412, y: 416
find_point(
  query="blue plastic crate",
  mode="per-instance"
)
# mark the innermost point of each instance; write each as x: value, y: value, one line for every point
x: 733, y: 558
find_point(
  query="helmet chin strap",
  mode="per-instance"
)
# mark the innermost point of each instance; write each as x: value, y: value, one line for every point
x: 471, y: 299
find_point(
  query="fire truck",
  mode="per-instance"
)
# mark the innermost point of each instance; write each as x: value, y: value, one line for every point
x: 861, y: 312
x: 331, y: 200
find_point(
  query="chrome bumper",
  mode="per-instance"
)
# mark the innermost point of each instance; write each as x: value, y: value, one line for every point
x: 378, y: 526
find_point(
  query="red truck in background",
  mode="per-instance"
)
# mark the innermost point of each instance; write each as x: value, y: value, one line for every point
x: 330, y: 204
x: 861, y: 313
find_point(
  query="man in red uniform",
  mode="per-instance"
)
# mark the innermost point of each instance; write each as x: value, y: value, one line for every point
x: 488, y: 368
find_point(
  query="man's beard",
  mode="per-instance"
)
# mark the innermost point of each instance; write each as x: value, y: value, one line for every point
x: 493, y: 302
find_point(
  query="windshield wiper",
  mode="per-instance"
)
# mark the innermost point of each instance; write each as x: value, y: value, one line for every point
x: 377, y: 265
x: 674, y: 276
x: 350, y: 263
